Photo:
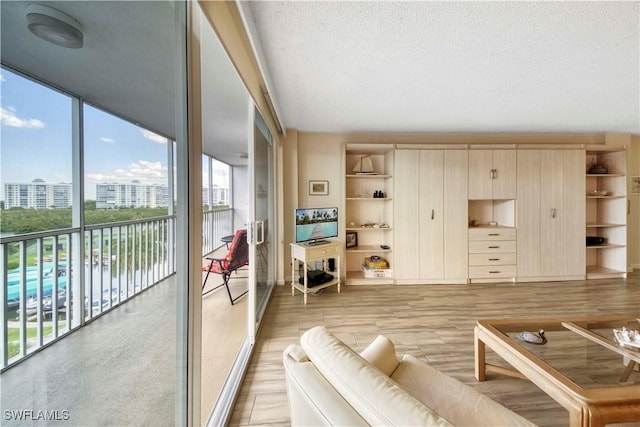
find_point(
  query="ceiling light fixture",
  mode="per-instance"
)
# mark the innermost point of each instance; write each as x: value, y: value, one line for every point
x: 54, y: 26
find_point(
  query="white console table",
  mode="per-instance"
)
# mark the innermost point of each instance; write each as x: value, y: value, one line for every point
x: 301, y: 252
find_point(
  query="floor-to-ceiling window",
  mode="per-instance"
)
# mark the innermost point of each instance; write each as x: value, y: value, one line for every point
x: 96, y: 192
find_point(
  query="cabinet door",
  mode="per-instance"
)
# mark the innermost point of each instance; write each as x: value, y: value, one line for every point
x: 431, y: 226
x: 406, y: 214
x: 552, y: 242
x: 456, y: 217
x: 504, y: 182
x: 574, y: 206
x: 480, y: 176
x: 528, y: 213
x: 550, y: 213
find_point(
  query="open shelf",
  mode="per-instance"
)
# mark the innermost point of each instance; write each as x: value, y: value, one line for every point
x: 606, y: 216
x: 368, y: 248
x: 361, y: 207
x: 355, y: 277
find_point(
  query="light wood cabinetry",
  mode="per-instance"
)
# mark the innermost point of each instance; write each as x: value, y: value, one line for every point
x: 492, y: 174
x: 430, y: 216
x: 550, y: 211
x: 492, y: 254
x: 369, y: 202
x: 606, y: 212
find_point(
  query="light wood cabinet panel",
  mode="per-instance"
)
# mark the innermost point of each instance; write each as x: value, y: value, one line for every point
x: 456, y: 213
x: 407, y: 172
x: 492, y: 174
x: 431, y: 227
x: 431, y: 215
x: 504, y: 163
x: 574, y: 219
x: 480, y: 174
x: 549, y: 183
x: 528, y: 213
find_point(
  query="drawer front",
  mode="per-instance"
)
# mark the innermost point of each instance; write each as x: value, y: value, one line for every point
x: 492, y: 233
x: 488, y: 247
x: 322, y: 252
x: 493, y: 259
x: 489, y: 271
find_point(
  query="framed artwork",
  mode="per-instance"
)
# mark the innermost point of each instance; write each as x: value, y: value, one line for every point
x: 318, y: 188
x: 352, y: 239
x: 635, y: 185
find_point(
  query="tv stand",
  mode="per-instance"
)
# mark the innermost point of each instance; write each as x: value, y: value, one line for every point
x: 306, y: 253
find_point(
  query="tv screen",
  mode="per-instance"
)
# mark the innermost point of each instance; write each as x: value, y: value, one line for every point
x: 316, y: 224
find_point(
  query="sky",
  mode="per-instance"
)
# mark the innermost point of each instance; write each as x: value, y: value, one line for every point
x: 35, y: 141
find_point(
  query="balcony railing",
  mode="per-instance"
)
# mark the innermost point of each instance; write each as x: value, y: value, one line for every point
x: 53, y: 282
x: 60, y: 281
x: 215, y: 225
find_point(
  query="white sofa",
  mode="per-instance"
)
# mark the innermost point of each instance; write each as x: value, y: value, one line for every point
x: 330, y: 384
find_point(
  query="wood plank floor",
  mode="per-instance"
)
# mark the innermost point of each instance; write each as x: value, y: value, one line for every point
x: 432, y: 322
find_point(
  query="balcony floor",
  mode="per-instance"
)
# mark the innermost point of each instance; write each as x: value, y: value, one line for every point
x: 117, y: 370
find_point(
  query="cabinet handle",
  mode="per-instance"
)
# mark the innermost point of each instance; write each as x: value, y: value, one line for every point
x: 494, y: 247
x: 432, y: 214
x: 494, y: 259
x: 494, y: 234
x: 494, y: 272
x: 553, y: 212
x: 495, y: 174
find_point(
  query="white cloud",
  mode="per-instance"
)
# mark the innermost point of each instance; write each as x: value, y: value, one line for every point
x: 153, y: 136
x: 144, y: 171
x: 9, y: 118
x: 106, y: 140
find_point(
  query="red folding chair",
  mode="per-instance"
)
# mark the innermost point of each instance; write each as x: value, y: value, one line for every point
x: 237, y: 256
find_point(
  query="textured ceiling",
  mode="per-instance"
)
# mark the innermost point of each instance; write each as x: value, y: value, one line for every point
x: 453, y: 66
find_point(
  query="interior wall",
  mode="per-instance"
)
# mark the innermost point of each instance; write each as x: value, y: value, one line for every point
x: 319, y: 156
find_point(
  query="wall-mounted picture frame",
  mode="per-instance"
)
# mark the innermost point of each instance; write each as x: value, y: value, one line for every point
x: 352, y: 239
x: 318, y: 188
x: 635, y: 185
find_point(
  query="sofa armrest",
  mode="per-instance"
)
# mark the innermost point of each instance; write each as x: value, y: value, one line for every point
x: 312, y: 400
x: 377, y: 398
x: 381, y: 353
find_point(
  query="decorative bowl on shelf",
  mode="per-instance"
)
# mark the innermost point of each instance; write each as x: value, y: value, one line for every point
x: 598, y: 169
x: 597, y: 193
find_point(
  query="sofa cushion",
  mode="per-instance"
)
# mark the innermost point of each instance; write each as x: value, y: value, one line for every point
x: 381, y: 353
x: 458, y: 402
x: 377, y: 398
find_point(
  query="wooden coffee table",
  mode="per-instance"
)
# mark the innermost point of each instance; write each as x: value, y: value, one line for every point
x: 581, y: 367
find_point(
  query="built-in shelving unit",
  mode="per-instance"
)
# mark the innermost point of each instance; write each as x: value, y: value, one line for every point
x: 606, y: 212
x: 368, y: 210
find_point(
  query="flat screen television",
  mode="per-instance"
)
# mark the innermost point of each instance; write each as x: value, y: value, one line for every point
x: 316, y: 224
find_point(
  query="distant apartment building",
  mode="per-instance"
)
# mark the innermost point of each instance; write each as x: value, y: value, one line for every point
x: 37, y: 195
x: 219, y: 196
x: 133, y: 195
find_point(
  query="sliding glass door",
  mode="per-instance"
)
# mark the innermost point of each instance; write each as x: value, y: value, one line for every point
x: 262, y: 229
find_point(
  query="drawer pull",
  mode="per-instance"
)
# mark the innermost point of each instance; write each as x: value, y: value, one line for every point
x: 494, y: 272
x: 494, y: 247
x: 494, y: 259
x: 494, y: 234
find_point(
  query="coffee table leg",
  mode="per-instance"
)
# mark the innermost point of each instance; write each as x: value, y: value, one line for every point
x: 627, y: 371
x: 479, y: 353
